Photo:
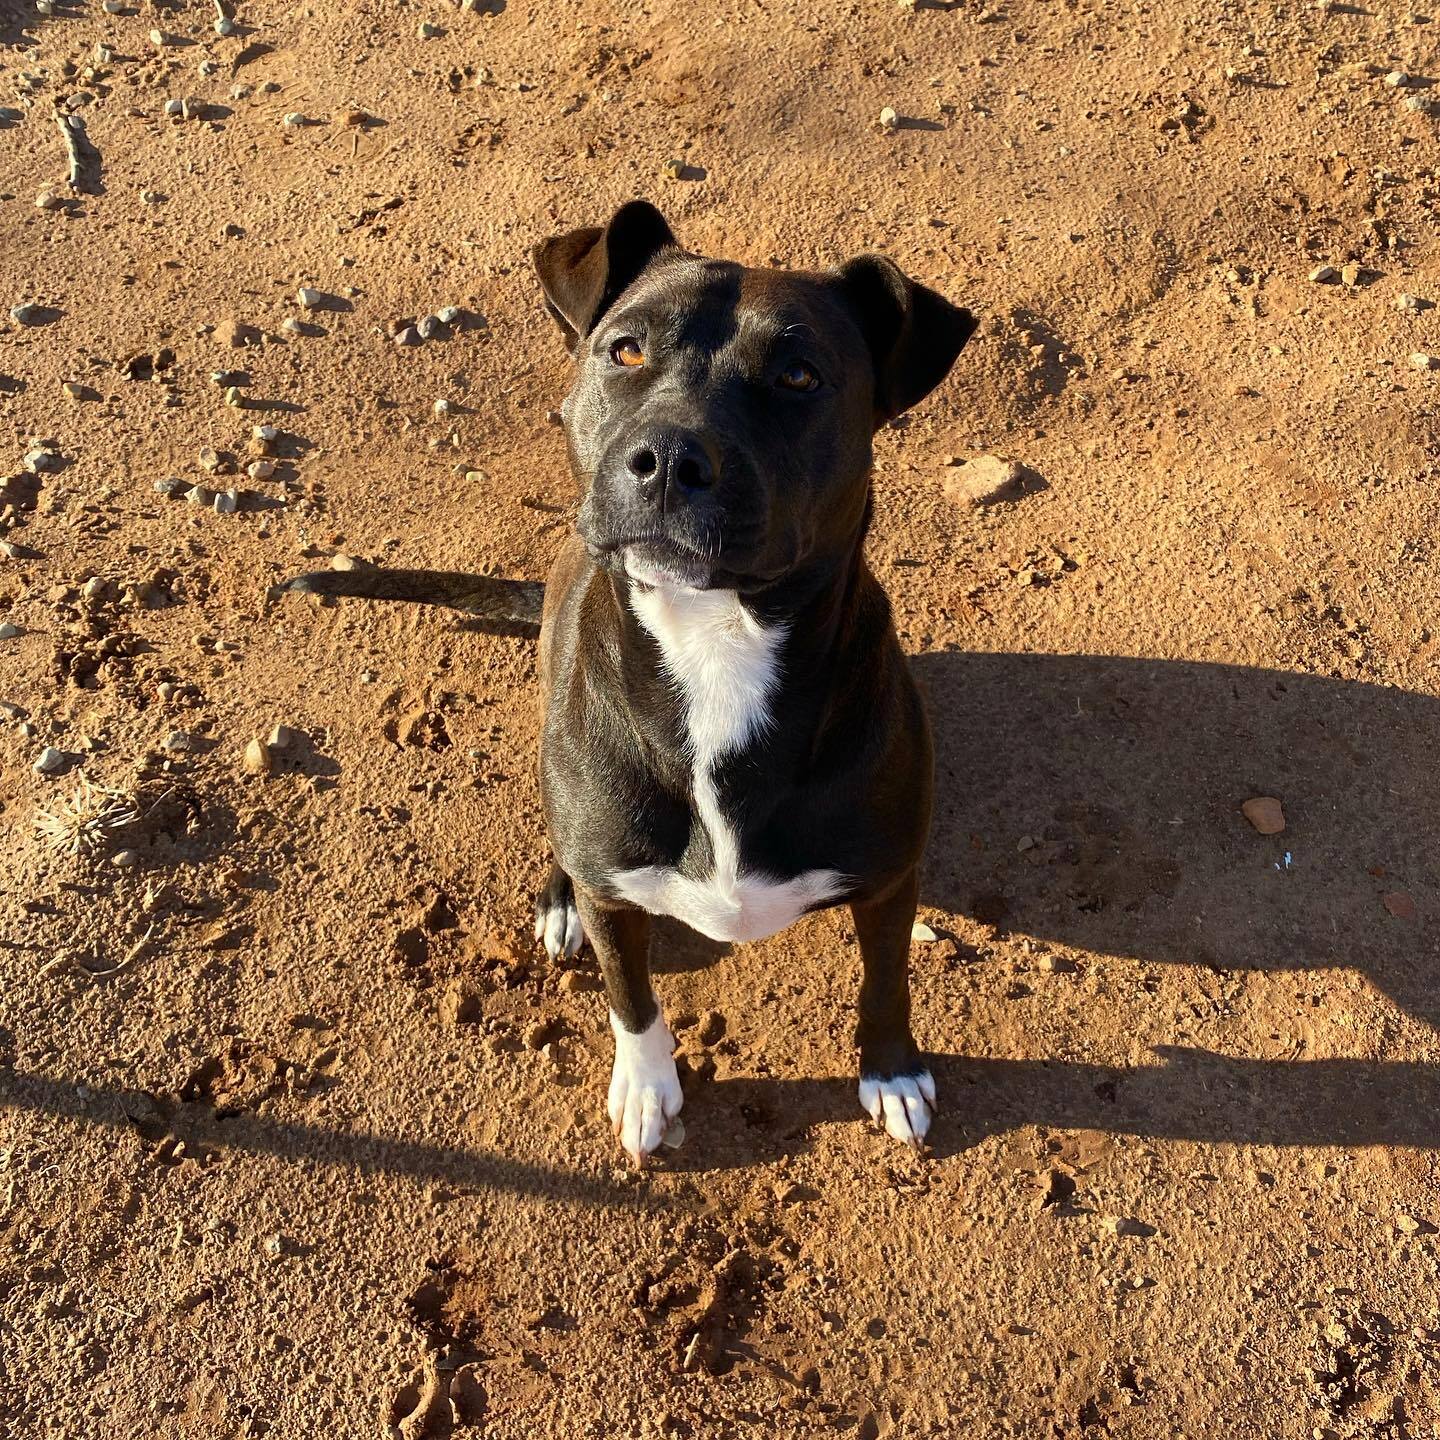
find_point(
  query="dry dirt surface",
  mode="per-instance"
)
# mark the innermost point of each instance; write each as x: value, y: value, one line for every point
x: 300, y: 1133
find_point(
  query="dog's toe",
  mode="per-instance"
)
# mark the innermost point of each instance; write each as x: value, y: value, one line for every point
x: 903, y: 1104
x: 558, y: 928
x: 645, y: 1093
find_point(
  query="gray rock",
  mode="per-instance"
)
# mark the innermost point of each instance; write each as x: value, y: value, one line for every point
x: 51, y: 761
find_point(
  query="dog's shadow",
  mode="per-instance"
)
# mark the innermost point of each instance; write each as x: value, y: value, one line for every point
x: 1095, y: 801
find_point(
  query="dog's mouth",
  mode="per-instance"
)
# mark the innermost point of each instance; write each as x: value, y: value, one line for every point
x: 661, y: 564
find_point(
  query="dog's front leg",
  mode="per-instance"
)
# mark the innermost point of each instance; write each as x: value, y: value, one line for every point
x: 895, y: 1086
x: 644, y: 1085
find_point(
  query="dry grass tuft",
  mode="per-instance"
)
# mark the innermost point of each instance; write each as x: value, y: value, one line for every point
x: 83, y: 822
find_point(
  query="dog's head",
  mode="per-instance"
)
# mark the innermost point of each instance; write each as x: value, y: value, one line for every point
x: 721, y: 417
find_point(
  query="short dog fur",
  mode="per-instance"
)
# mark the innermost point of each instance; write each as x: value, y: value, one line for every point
x: 731, y: 733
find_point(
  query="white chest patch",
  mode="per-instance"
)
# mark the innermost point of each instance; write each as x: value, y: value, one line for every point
x: 723, y: 663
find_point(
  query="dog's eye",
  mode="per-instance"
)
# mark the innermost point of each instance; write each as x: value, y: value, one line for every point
x: 627, y: 352
x: 797, y: 376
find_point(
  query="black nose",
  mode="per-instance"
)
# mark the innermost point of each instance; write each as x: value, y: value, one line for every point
x: 672, y: 464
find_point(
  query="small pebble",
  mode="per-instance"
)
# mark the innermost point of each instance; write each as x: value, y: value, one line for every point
x: 8, y: 631
x: 95, y: 588
x: 448, y: 314
x: 1421, y: 105
x: 39, y: 461
x: 310, y: 299
x: 159, y: 38
x: 1398, y: 80
x: 1265, y: 813
x: 427, y: 31
x: 25, y: 314
x: 1324, y: 275
x: 74, y: 391
x: 198, y: 495
x: 124, y: 859
x: 1351, y: 275
x: 256, y: 760
x: 1425, y: 362
x: 224, y: 26
x: 174, y: 107
x: 113, y: 7
x: 443, y: 407
x: 48, y: 200
x: 49, y: 760
x: 674, y: 169
x: 281, y: 737
x: 294, y: 120
x: 923, y: 933
x: 889, y: 120
x: 430, y: 328
x: 265, y: 435
x: 235, y: 396
x: 177, y: 741
x: 260, y: 469
x: 291, y: 326
x: 171, y: 486
x: 408, y: 336
x: 227, y: 502
x: 1409, y: 303
x: 346, y: 562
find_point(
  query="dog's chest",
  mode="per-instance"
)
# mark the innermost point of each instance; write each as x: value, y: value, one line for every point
x: 724, y: 665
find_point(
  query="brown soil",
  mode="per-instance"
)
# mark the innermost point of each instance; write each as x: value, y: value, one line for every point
x: 325, y: 1154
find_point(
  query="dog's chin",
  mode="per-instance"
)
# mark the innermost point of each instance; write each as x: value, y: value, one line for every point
x: 663, y: 568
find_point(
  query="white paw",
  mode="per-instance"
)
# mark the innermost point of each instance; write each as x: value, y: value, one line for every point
x: 644, y: 1086
x: 902, y: 1104
x: 558, y: 928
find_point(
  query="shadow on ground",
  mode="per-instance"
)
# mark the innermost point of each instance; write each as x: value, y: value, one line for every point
x: 1095, y: 801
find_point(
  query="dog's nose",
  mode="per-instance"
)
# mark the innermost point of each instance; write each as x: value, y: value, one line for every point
x: 672, y: 464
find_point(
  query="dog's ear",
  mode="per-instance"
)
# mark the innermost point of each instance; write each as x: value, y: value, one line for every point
x: 914, y: 334
x: 584, y: 272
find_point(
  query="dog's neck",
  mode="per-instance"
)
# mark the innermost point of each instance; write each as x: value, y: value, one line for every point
x: 741, y: 671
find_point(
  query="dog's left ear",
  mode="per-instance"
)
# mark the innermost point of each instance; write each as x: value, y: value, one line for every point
x: 585, y: 271
x: 914, y: 334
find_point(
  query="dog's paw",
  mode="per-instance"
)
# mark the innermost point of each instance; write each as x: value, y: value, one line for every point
x: 903, y: 1104
x: 557, y: 923
x: 645, y: 1093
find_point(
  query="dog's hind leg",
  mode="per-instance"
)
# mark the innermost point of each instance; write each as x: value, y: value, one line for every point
x: 645, y: 1091
x: 557, y: 921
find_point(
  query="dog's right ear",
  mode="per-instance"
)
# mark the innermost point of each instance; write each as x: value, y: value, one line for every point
x: 585, y: 271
